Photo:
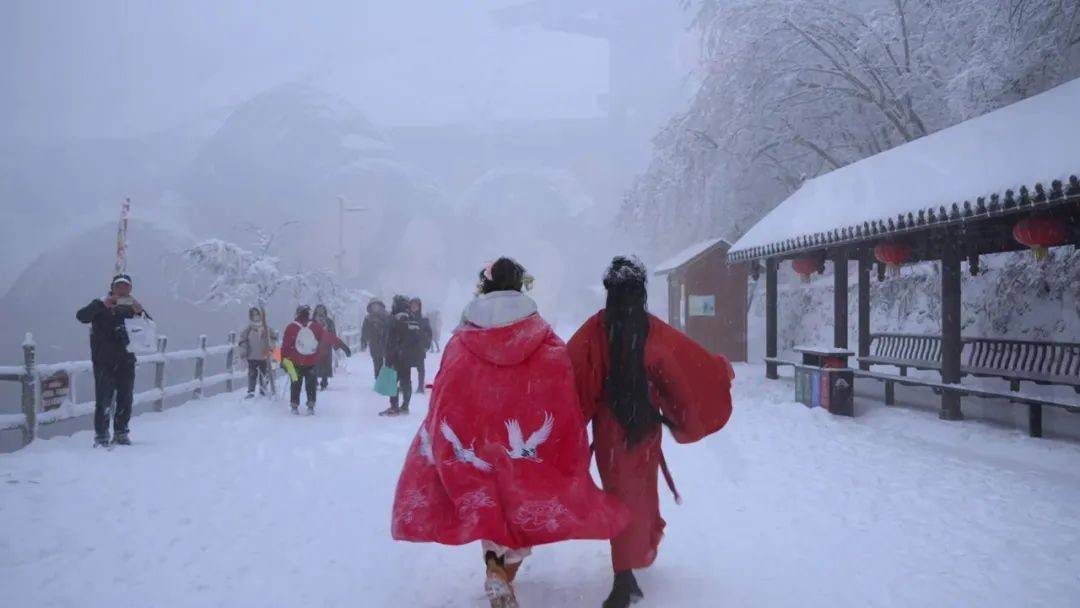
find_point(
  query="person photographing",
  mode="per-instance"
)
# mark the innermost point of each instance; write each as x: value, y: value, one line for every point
x: 114, y: 364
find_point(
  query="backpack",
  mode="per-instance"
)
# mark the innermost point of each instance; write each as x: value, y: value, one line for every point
x: 306, y: 342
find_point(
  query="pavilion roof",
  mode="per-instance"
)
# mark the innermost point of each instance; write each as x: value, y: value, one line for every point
x: 986, y: 167
x: 689, y: 254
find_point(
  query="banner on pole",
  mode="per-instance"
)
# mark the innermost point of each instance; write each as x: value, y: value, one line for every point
x: 121, y: 237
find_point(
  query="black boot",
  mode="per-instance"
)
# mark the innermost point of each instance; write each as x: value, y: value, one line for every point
x: 624, y: 591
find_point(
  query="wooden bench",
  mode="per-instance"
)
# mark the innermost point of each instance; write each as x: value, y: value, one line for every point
x: 1047, y: 363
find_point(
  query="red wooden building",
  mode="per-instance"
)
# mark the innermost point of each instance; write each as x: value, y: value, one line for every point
x: 707, y: 297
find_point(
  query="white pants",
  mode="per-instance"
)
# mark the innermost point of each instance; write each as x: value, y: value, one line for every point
x: 508, y: 555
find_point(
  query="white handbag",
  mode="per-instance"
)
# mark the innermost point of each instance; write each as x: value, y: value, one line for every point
x: 142, y: 335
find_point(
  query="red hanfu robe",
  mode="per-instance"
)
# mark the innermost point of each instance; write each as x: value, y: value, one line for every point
x: 503, y: 453
x: 690, y: 387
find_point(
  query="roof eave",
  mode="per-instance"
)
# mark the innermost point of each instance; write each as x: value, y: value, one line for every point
x: 1059, y: 195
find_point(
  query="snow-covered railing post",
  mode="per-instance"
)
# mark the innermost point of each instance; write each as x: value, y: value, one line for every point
x: 159, y: 374
x: 200, y: 366
x: 29, y: 389
x: 229, y: 356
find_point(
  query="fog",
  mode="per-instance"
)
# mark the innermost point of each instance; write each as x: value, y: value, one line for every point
x: 859, y: 221
x: 466, y: 130
x: 128, y: 68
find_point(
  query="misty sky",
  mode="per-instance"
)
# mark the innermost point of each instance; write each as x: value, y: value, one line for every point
x: 114, y: 67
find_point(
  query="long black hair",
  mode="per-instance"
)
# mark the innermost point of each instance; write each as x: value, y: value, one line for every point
x: 626, y: 323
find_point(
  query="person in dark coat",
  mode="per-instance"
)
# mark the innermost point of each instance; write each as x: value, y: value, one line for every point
x: 404, y: 340
x: 114, y: 366
x: 420, y: 347
x: 324, y: 369
x: 374, y: 332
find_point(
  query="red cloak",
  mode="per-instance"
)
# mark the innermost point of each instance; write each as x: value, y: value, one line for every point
x: 689, y: 386
x: 503, y: 453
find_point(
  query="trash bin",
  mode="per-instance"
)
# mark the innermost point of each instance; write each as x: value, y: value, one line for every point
x: 823, y: 379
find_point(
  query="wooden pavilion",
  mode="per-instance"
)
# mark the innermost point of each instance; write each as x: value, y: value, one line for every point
x: 951, y: 196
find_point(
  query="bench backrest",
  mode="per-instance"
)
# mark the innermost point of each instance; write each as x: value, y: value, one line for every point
x: 906, y: 347
x: 1055, y: 359
x: 1051, y: 359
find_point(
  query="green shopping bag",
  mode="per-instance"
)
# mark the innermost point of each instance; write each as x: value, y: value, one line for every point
x: 386, y: 384
x: 290, y: 369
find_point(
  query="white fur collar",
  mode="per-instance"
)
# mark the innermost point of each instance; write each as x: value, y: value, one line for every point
x: 499, y: 309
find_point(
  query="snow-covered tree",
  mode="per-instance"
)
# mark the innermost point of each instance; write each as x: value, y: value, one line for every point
x: 794, y: 88
x: 322, y: 287
x: 240, y: 275
x: 254, y: 276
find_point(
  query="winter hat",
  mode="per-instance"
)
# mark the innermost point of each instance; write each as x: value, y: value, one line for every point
x: 254, y: 310
x: 375, y: 302
x: 504, y: 274
x: 400, y: 305
x: 303, y: 311
x: 121, y: 278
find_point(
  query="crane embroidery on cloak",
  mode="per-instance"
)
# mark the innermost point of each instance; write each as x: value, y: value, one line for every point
x: 520, y: 448
x: 461, y: 453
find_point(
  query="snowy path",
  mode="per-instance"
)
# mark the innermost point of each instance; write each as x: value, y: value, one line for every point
x: 233, y: 503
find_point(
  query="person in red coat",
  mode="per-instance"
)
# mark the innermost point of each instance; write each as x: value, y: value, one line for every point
x: 634, y: 374
x: 503, y: 454
x: 300, y: 344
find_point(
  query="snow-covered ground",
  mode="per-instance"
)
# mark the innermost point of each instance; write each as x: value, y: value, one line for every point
x: 234, y: 503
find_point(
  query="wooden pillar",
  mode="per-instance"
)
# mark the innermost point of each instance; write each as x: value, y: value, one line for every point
x: 200, y: 367
x: 230, y: 355
x: 159, y: 374
x: 29, y: 389
x: 950, y: 326
x: 864, y: 307
x: 771, y: 342
x: 840, y: 299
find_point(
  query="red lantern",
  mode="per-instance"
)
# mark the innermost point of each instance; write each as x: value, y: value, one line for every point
x: 893, y: 255
x: 805, y: 267
x: 1039, y: 233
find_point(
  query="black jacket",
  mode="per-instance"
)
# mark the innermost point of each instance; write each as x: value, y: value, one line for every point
x: 108, y: 336
x: 375, y: 330
x: 406, y: 345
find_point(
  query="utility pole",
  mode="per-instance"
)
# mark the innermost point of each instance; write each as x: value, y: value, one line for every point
x: 342, y: 209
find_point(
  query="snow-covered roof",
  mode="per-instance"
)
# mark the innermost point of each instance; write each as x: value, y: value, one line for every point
x: 688, y: 255
x: 1029, y: 142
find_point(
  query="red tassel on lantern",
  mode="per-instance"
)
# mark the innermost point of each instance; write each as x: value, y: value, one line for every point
x: 805, y: 267
x: 893, y: 255
x: 1039, y: 233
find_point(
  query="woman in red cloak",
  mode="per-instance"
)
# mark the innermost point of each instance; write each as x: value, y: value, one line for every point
x: 503, y: 454
x: 634, y: 373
